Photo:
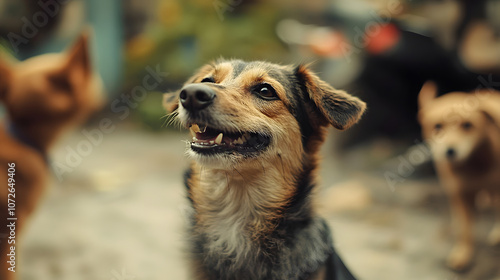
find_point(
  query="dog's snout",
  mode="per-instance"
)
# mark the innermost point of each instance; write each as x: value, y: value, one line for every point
x: 450, y: 153
x: 196, y: 97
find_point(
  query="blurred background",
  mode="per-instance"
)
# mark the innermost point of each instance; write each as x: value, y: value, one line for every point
x: 117, y: 212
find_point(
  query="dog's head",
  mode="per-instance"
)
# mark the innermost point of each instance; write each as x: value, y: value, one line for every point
x: 454, y: 124
x: 242, y: 110
x: 50, y: 88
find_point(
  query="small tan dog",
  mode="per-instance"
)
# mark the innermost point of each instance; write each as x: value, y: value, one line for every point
x: 463, y: 132
x: 43, y: 96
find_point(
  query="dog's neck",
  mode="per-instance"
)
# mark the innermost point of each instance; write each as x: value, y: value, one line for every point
x: 243, y: 216
x: 248, y: 198
x: 37, y: 137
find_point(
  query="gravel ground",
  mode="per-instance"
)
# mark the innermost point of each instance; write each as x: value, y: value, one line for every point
x: 119, y: 215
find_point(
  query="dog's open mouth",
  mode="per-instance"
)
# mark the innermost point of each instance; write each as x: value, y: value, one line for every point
x: 208, y: 140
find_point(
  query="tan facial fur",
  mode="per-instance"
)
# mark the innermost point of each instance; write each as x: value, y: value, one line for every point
x: 238, y: 110
x: 450, y: 128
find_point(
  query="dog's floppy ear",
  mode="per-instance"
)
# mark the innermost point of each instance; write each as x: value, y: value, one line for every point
x: 490, y: 117
x: 5, y: 75
x: 427, y: 94
x: 490, y: 111
x: 338, y: 108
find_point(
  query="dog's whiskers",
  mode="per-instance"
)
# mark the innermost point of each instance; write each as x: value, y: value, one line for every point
x: 172, y: 119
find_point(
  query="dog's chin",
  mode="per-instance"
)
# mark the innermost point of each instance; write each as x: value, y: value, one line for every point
x: 219, y: 148
x: 459, y: 159
x: 215, y: 161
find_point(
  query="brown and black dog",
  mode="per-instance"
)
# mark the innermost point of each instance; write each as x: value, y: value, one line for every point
x: 463, y: 131
x: 43, y: 96
x: 257, y: 128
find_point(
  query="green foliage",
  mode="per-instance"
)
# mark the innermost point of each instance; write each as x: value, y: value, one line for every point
x: 184, y: 35
x: 152, y: 114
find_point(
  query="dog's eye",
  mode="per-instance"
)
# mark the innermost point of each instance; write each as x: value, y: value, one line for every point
x: 466, y: 125
x: 438, y: 127
x: 208, y: 80
x: 265, y: 91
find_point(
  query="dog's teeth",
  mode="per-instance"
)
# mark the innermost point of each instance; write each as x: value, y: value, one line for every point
x: 212, y: 142
x: 239, y: 141
x: 195, y: 128
x: 202, y: 129
x: 218, y: 140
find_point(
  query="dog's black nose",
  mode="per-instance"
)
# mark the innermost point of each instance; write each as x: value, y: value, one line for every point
x: 450, y: 153
x: 196, y: 97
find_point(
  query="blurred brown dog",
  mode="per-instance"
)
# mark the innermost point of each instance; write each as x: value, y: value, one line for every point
x: 43, y: 96
x: 463, y: 132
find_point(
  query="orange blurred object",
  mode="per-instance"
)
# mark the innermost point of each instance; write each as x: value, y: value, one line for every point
x: 328, y: 43
x: 387, y: 38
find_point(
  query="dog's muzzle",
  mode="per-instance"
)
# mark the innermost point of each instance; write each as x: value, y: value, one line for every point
x: 209, y: 137
x: 196, y: 97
